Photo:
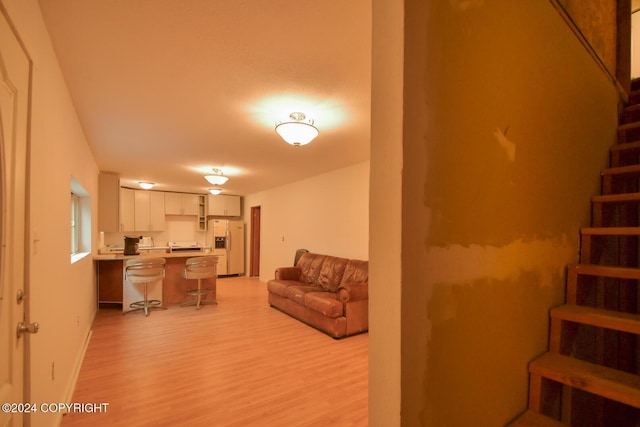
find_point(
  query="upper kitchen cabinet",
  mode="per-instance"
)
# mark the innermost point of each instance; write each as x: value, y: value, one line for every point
x: 224, y: 205
x: 108, y: 202
x: 127, y: 209
x: 181, y: 203
x: 141, y: 210
x: 149, y: 210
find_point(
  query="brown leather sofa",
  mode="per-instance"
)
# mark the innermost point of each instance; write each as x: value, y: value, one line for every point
x: 326, y: 292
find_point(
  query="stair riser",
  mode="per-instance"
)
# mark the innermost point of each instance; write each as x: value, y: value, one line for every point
x: 631, y: 134
x: 597, y: 249
x: 630, y: 115
x: 634, y: 98
x: 620, y: 183
x: 615, y: 214
x: 626, y: 157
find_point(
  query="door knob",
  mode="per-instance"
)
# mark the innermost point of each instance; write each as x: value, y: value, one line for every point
x: 31, y: 328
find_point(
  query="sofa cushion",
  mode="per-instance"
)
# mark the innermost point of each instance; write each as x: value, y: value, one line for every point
x: 355, y: 271
x: 279, y: 287
x: 296, y: 293
x: 287, y: 273
x: 310, y: 265
x: 331, y: 273
x: 326, y: 303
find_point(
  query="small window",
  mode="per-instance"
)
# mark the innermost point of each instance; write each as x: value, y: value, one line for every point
x: 80, y: 221
x: 75, y: 223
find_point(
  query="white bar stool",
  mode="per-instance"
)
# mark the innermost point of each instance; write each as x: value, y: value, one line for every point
x: 200, y: 268
x: 144, y: 271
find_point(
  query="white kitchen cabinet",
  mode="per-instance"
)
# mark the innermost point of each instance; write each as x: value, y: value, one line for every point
x: 181, y: 203
x: 156, y: 211
x: 149, y: 210
x: 173, y: 203
x: 224, y: 205
x: 108, y: 202
x: 127, y: 209
x: 141, y: 210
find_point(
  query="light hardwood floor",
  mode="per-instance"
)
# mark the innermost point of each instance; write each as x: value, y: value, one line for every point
x: 239, y: 363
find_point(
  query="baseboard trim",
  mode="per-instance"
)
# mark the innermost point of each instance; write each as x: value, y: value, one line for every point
x: 71, y: 386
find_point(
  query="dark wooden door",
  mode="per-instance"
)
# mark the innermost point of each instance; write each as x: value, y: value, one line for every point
x: 254, y: 265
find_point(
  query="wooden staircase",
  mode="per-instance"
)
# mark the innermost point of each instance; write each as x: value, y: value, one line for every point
x: 590, y: 375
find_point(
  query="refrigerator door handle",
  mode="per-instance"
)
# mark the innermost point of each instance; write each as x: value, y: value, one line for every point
x: 227, y: 237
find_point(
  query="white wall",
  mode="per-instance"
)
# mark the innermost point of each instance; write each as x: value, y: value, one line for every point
x: 385, y: 213
x: 61, y: 294
x: 327, y: 214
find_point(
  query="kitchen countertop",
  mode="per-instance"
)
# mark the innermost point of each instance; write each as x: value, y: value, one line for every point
x: 117, y: 256
x: 112, y: 287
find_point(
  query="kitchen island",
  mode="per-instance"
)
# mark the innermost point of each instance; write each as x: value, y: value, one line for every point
x: 111, y: 284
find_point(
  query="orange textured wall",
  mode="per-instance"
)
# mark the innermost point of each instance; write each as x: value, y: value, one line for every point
x: 596, y: 19
x: 507, y: 123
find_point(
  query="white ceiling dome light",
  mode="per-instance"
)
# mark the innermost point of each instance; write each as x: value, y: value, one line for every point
x: 299, y: 131
x: 146, y: 185
x: 216, y: 177
x: 215, y: 191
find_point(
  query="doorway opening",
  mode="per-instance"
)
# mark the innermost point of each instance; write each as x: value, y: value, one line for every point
x: 254, y: 265
x: 635, y: 39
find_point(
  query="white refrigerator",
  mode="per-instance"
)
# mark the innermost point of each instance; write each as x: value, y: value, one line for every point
x: 227, y: 240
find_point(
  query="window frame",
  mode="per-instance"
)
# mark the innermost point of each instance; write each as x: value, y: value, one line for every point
x: 75, y: 223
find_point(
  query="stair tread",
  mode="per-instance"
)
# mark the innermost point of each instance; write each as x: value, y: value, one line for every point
x: 616, y: 198
x: 625, y: 146
x: 616, y: 320
x: 596, y: 379
x: 607, y: 271
x: 618, y: 170
x: 627, y: 126
x: 534, y: 419
x: 611, y: 231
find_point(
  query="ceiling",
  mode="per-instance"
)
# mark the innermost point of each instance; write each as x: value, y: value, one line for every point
x: 165, y: 90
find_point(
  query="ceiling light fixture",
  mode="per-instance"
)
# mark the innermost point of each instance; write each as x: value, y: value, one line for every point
x: 215, y: 191
x: 299, y: 131
x: 216, y: 178
x: 146, y: 185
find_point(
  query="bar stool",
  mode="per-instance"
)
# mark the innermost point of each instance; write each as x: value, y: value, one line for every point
x: 200, y: 268
x: 144, y: 271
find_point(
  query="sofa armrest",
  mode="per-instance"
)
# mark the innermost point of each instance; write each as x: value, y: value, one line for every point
x: 288, y: 273
x: 353, y: 292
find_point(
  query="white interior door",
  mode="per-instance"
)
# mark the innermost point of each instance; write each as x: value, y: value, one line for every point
x: 14, y: 104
